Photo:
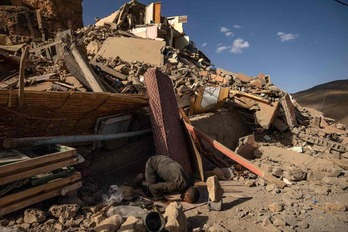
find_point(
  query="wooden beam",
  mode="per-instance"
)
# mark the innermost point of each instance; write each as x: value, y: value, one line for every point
x: 38, y: 170
x: 25, y: 194
x: 25, y: 52
x: 248, y: 95
x: 40, y: 160
x: 108, y: 70
x: 89, y: 75
x: 39, y: 198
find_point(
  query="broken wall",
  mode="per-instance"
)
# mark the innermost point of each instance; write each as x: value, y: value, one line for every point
x: 224, y: 126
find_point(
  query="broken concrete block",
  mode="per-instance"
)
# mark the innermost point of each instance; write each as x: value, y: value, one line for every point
x: 257, y: 83
x: 243, y: 78
x: 110, y: 224
x: 92, y: 48
x: 132, y: 224
x: 247, y: 146
x: 64, y: 211
x: 34, y: 215
x: 289, y: 111
x: 133, y: 49
x: 215, y: 191
x: 175, y: 217
x: 266, y: 114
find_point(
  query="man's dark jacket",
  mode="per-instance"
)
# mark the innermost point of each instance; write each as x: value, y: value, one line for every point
x: 164, y: 175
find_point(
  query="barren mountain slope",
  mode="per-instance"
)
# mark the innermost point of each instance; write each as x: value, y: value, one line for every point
x: 330, y: 98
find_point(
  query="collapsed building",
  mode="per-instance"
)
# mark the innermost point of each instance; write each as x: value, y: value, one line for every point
x: 101, y: 90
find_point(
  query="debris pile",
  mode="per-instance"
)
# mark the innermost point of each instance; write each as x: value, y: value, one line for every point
x: 79, y: 82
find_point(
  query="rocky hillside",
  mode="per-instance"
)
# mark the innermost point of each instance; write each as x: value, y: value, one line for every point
x: 20, y: 17
x: 330, y: 98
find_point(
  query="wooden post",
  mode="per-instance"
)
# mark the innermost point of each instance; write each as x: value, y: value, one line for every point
x: 22, y: 64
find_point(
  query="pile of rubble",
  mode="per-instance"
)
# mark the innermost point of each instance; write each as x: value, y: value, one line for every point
x: 288, y: 146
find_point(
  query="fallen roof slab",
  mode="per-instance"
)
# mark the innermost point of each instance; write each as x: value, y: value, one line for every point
x: 133, y: 49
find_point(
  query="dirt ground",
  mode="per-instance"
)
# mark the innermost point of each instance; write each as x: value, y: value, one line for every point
x: 247, y: 209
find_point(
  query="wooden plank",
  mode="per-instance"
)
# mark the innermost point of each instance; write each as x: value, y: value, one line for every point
x: 87, y: 72
x: 157, y: 12
x: 20, y: 196
x: 33, y: 172
x: 7, y: 157
x: 108, y: 70
x: 25, y: 52
x: 39, y: 198
x: 37, y: 161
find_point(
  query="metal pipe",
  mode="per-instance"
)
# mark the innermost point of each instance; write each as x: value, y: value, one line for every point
x: 38, y: 141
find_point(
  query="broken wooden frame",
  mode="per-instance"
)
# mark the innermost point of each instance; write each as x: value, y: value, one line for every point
x: 22, y: 199
x: 237, y: 158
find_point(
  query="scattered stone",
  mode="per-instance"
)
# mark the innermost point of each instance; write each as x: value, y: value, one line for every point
x: 216, y: 228
x: 98, y: 217
x: 34, y: 215
x: 20, y: 220
x: 290, y: 220
x: 278, y: 222
x: 295, y: 174
x: 132, y: 224
x: 249, y: 183
x: 25, y: 226
x: 335, y: 206
x: 341, y: 182
x: 64, y: 211
x: 241, y: 214
x: 275, y: 207
x: 175, y: 217
x: 303, y: 225
x: 110, y: 224
x: 277, y: 171
x: 4, y: 222
x: 261, y: 182
x: 322, y: 190
x: 295, y: 194
x: 214, y: 189
x: 271, y: 187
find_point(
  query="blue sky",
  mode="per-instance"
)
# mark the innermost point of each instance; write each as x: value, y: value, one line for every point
x: 299, y: 43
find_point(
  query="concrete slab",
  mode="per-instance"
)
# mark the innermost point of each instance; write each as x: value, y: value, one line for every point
x: 133, y: 49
